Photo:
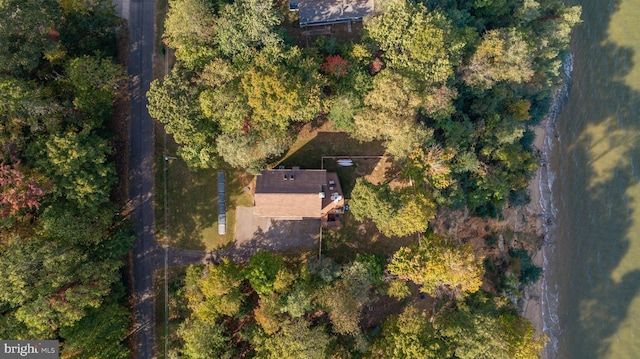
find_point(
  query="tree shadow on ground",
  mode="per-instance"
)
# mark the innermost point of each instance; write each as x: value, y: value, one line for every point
x: 595, y: 297
x: 286, y: 237
x: 309, y: 154
x: 192, y: 202
x: 338, y: 144
x: 360, y: 237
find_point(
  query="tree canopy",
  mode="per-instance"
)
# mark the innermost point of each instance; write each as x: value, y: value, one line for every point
x: 460, y: 81
x: 62, y: 241
x: 395, y: 212
x: 437, y: 265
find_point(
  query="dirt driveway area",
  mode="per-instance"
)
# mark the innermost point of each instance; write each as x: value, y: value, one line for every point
x: 254, y: 233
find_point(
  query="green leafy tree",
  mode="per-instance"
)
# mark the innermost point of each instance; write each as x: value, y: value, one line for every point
x: 325, y: 268
x: 417, y: 42
x: 295, y: 340
x: 95, y: 82
x: 390, y: 114
x: 51, y: 282
x: 553, y: 27
x: 247, y: 25
x: 371, y: 201
x: 298, y: 302
x: 249, y: 151
x: 262, y: 271
x: 432, y: 165
x: 398, y: 289
x: 345, y: 298
x: 374, y: 264
x: 410, y: 335
x: 174, y: 103
x: 343, y: 109
x: 190, y: 29
x: 24, y: 111
x: 88, y: 227
x: 416, y: 208
x: 204, y: 339
x: 488, y: 327
x: 277, y: 95
x: 78, y: 164
x: 344, y: 309
x: 60, y: 263
x: 100, y: 334
x: 27, y: 34
x: 503, y: 55
x: 395, y: 213
x: 437, y: 265
x: 273, y: 101
x: 222, y: 100
x: 268, y: 313
x: 221, y: 290
x: 89, y: 27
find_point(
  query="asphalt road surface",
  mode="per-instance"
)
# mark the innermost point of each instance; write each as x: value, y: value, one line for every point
x: 146, y: 251
x: 148, y: 256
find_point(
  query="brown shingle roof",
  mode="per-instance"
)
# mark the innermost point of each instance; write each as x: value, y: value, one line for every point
x: 304, y: 181
x: 288, y: 205
x: 293, y: 197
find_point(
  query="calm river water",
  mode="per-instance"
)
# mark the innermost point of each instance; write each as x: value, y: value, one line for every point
x: 595, y: 266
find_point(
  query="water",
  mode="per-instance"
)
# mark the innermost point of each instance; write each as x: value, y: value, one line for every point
x: 592, y: 302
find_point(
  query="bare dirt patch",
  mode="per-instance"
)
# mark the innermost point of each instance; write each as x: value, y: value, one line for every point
x: 375, y: 313
x: 491, y: 238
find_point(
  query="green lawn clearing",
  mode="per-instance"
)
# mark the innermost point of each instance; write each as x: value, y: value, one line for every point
x: 318, y: 139
x: 192, y: 201
x: 355, y: 237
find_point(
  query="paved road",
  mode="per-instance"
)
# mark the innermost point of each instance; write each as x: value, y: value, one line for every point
x: 146, y: 252
x: 148, y: 256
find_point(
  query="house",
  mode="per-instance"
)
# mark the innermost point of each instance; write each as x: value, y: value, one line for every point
x: 324, y: 12
x: 295, y: 194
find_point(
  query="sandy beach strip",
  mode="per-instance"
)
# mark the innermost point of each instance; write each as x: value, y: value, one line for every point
x: 532, y: 295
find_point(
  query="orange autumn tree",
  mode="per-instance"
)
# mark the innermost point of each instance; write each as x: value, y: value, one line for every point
x: 16, y: 192
x: 335, y: 65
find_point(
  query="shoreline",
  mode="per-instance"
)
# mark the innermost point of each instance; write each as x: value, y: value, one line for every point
x: 532, y: 294
x: 536, y: 305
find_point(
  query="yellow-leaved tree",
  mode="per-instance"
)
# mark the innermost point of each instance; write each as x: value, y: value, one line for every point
x: 437, y: 264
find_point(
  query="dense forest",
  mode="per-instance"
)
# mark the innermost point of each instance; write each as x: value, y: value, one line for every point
x: 278, y: 308
x: 451, y: 88
x: 62, y: 241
